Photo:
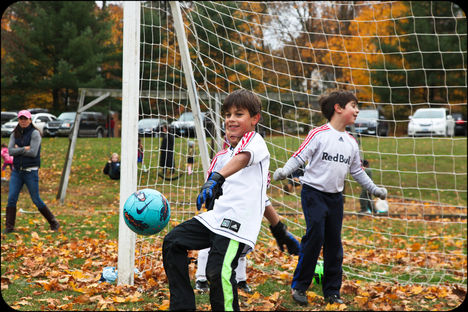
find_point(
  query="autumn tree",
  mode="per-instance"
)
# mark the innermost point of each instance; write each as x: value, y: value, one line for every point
x: 431, y: 69
x: 58, y: 46
x: 217, y: 35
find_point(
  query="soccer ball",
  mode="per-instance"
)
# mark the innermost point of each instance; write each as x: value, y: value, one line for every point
x: 318, y: 273
x: 146, y: 212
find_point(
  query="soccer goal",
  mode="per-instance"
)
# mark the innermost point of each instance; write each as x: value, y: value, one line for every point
x: 181, y: 59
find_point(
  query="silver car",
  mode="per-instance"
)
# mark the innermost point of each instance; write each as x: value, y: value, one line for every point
x: 39, y: 120
x: 431, y: 121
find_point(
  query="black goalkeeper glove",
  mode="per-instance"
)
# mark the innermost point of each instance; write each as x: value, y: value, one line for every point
x: 210, y: 191
x: 283, y: 237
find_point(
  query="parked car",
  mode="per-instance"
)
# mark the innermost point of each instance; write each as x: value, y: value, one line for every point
x: 151, y: 126
x: 7, y: 116
x: 185, y: 125
x: 431, y: 121
x: 370, y: 121
x: 92, y: 124
x: 38, y: 120
x: 460, y: 124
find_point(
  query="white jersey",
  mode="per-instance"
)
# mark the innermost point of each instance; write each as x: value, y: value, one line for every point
x: 238, y: 213
x: 330, y: 154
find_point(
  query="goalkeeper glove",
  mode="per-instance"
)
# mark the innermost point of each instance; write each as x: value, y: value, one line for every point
x: 291, y: 165
x: 380, y: 192
x: 210, y: 191
x: 283, y: 237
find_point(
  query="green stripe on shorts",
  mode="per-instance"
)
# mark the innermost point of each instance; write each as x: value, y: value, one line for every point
x: 226, y: 273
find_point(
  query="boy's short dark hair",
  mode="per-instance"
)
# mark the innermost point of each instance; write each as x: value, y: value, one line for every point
x: 328, y: 101
x: 243, y: 98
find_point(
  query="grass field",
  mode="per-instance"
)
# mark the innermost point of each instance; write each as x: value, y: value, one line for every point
x: 45, y: 270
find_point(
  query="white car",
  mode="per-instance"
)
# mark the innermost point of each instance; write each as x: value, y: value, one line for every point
x: 431, y: 121
x: 39, y: 120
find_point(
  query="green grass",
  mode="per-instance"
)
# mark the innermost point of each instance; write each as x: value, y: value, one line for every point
x: 377, y: 250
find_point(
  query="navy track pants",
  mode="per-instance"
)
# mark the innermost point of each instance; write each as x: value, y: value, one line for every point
x: 323, y: 213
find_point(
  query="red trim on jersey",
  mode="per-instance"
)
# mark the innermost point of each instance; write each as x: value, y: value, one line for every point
x: 215, y: 159
x: 352, y: 136
x: 245, y: 140
x: 309, y: 137
x: 226, y: 143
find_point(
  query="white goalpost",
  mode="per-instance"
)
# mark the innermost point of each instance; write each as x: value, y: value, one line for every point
x: 181, y: 59
x: 130, y: 99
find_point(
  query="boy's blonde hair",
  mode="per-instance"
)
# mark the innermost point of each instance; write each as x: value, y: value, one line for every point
x: 327, y: 102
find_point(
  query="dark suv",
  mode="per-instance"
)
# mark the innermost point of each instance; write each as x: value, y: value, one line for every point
x: 7, y: 116
x: 92, y: 124
x: 371, y: 121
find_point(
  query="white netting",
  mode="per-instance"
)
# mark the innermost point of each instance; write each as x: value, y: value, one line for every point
x: 396, y: 56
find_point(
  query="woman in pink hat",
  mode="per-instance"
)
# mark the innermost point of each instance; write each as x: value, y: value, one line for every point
x: 25, y: 147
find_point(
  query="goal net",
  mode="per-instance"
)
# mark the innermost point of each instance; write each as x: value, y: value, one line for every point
x: 397, y: 56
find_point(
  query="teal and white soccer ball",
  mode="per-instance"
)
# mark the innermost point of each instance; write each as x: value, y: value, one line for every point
x: 146, y: 212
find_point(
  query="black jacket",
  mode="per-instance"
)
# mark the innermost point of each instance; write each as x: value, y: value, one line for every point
x: 23, y: 160
x: 113, y: 170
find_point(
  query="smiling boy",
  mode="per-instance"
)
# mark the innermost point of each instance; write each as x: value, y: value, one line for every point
x: 330, y: 153
x: 234, y: 198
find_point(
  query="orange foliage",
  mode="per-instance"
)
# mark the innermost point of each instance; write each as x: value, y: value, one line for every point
x: 373, y: 27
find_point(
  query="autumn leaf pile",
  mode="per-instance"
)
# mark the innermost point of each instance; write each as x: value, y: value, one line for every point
x: 48, y: 267
x: 59, y: 271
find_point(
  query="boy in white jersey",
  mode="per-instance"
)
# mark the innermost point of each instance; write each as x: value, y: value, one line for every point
x: 278, y: 229
x: 235, y: 200
x: 330, y: 152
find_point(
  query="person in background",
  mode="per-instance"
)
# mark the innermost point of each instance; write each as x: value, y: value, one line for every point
x: 25, y: 147
x: 7, y: 161
x: 190, y: 152
x: 166, y: 159
x: 112, y: 167
x: 141, y: 151
x: 367, y: 204
x: 278, y: 229
x: 283, y: 239
x: 293, y: 180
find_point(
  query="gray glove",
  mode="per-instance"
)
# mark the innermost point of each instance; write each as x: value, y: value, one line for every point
x: 381, y: 192
x: 279, y: 174
x: 291, y: 165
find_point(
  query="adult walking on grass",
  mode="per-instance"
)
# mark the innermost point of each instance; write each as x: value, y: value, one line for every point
x: 25, y: 147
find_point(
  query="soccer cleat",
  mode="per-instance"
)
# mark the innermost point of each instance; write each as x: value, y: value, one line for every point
x: 202, y: 286
x: 299, y: 296
x: 333, y: 299
x: 243, y: 286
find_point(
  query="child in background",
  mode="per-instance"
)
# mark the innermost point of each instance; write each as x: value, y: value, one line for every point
x: 280, y: 233
x: 367, y: 205
x: 330, y: 153
x: 7, y: 160
x: 190, y: 152
x: 140, y: 155
x: 277, y: 228
x: 293, y: 180
x: 112, y: 167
